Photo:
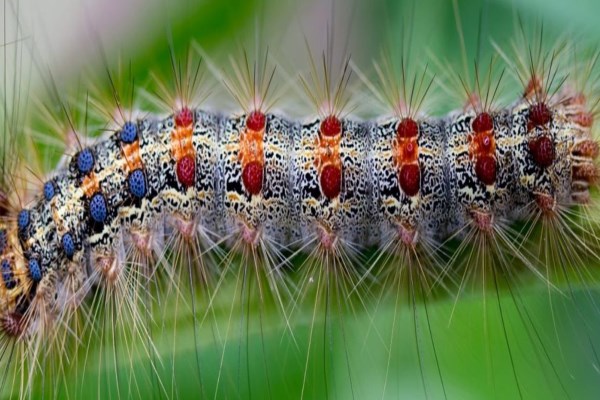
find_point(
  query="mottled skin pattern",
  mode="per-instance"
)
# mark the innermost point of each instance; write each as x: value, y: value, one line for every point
x: 427, y: 212
x: 554, y: 180
x: 268, y: 212
x: 467, y: 193
x: 199, y: 201
x: 347, y: 215
x: 291, y: 209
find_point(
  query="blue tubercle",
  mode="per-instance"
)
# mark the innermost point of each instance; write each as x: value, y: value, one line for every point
x: 23, y: 220
x: 68, y: 245
x: 129, y: 132
x: 35, y: 271
x: 7, y: 275
x: 3, y: 240
x: 85, y: 161
x: 137, y: 183
x: 49, y: 190
x: 98, y: 210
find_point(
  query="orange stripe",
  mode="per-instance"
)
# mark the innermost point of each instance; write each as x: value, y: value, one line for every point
x: 251, y: 147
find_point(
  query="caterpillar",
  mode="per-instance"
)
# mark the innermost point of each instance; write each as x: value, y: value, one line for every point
x: 279, y: 234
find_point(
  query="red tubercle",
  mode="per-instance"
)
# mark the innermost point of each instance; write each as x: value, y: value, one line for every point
x: 331, y: 181
x: 542, y: 151
x: 256, y: 121
x: 186, y: 171
x: 331, y: 126
x: 482, y: 123
x: 252, y: 177
x: 407, y: 128
x: 485, y: 169
x: 584, y: 119
x: 586, y: 148
x: 545, y: 202
x: 539, y: 115
x: 585, y: 172
x: 410, y: 179
x: 184, y: 118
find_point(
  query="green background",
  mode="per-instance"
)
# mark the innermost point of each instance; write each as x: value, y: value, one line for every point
x: 488, y: 340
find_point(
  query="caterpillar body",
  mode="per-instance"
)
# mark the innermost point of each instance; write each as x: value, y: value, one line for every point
x: 192, y: 166
x: 353, y: 205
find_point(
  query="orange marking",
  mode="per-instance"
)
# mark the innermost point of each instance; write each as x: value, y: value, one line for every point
x: 405, y: 151
x: 481, y: 144
x: 90, y: 185
x: 328, y: 152
x: 251, y: 147
x: 181, y: 142
x: 132, y: 155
